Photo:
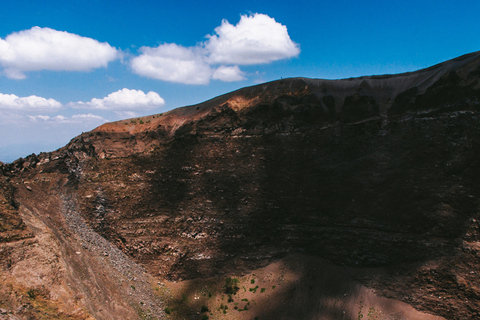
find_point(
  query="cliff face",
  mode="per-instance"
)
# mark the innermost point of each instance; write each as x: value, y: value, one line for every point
x: 378, y: 174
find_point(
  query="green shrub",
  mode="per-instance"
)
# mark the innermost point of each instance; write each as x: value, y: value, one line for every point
x: 223, y: 308
x: 204, y: 309
x: 32, y: 293
x: 253, y: 289
x: 231, y: 286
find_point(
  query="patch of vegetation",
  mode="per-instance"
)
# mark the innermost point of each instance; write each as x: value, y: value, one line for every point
x: 360, y: 313
x: 262, y: 290
x: 254, y: 290
x: 231, y: 286
x: 204, y: 309
x: 273, y: 287
x: 32, y: 293
x: 141, y: 121
x: 223, y: 308
x: 205, y: 317
x: 244, y: 308
x: 144, y: 315
x: 252, y: 281
x: 373, y: 314
x: 168, y: 310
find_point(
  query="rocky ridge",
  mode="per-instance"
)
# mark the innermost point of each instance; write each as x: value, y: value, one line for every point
x: 375, y: 173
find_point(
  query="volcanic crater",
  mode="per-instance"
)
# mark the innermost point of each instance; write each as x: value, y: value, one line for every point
x: 294, y: 199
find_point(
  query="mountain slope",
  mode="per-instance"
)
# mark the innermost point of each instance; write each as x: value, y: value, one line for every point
x: 376, y: 174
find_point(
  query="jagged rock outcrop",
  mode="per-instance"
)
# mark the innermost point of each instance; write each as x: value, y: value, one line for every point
x: 376, y: 173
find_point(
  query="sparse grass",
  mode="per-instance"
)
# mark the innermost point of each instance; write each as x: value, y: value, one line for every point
x: 215, y: 298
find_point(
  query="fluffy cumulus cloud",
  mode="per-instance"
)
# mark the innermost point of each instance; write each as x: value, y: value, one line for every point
x: 228, y: 74
x: 125, y: 99
x: 174, y: 63
x: 48, y: 49
x: 31, y: 103
x: 256, y: 39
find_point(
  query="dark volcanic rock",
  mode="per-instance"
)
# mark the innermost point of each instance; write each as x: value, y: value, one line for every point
x: 372, y: 172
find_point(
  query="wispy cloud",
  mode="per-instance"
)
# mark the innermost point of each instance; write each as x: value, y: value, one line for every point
x: 75, y: 119
x: 48, y: 49
x: 256, y: 39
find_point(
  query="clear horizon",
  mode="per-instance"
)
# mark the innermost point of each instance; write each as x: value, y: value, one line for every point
x: 68, y: 67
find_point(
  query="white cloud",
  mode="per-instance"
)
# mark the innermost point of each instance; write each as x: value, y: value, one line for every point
x: 125, y: 99
x: 75, y: 119
x: 30, y: 103
x: 39, y: 117
x: 48, y: 49
x: 174, y: 63
x: 228, y: 74
x: 88, y: 116
x: 256, y: 39
x: 126, y: 114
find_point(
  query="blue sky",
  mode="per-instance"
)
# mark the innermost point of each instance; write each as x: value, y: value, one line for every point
x: 69, y: 66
